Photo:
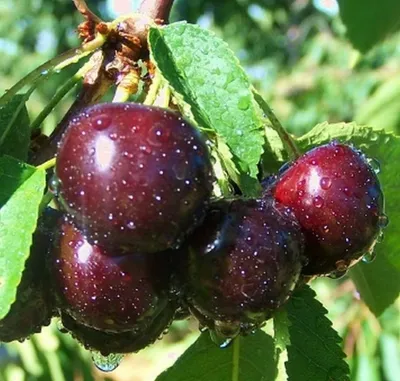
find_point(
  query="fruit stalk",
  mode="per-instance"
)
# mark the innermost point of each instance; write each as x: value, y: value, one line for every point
x: 156, y: 9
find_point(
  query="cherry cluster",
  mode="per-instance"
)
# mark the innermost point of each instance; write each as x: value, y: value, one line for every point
x: 139, y: 238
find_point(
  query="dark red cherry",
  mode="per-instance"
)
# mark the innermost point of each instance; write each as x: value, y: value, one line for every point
x: 124, y: 342
x: 336, y: 196
x: 114, y: 293
x: 34, y: 305
x: 133, y: 175
x: 241, y: 264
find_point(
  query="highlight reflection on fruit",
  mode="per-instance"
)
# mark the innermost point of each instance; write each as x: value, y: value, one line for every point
x: 125, y: 169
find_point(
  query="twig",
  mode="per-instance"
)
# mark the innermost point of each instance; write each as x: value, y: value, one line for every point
x: 83, y: 8
x: 156, y: 9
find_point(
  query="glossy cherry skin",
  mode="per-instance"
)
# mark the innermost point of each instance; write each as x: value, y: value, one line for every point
x: 34, y: 305
x: 337, y: 199
x: 124, y: 342
x: 114, y: 293
x: 241, y: 264
x: 133, y: 175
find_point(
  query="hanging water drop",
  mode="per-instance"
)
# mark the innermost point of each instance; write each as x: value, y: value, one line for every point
x: 375, y: 165
x: 221, y: 342
x: 106, y: 363
x: 54, y: 185
x: 61, y: 327
x: 369, y: 256
x: 337, y: 274
x: 383, y: 221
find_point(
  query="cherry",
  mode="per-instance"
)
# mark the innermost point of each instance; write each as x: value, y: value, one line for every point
x: 133, y: 175
x: 241, y: 264
x: 34, y: 305
x: 336, y: 196
x: 123, y: 342
x: 116, y: 293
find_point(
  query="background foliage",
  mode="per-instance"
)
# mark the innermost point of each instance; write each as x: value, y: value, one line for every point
x: 298, y: 56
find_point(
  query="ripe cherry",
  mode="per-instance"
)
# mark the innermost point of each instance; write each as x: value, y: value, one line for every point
x: 123, y: 342
x: 133, y: 175
x: 241, y: 264
x: 336, y: 196
x: 122, y: 292
x: 34, y: 305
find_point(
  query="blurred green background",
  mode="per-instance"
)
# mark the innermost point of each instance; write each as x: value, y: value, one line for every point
x: 297, y: 55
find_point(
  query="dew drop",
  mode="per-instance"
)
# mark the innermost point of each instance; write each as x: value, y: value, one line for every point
x: 369, y: 257
x: 301, y: 184
x: 284, y: 167
x: 244, y: 103
x: 54, y: 185
x: 375, y: 165
x: 221, y: 342
x: 131, y: 225
x: 203, y: 328
x: 106, y: 363
x: 101, y: 122
x: 61, y: 327
x: 383, y: 221
x: 337, y: 274
x: 318, y: 202
x: 380, y: 237
x: 325, y: 183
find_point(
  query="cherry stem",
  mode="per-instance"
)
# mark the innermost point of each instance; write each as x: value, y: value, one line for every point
x: 153, y: 89
x: 83, y: 8
x: 60, y: 94
x: 236, y: 358
x: 47, y: 198
x: 156, y: 9
x: 290, y: 145
x: 48, y: 164
x: 128, y: 86
x: 163, y: 97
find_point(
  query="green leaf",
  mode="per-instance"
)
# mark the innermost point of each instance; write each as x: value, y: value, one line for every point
x: 20, y: 196
x: 248, y: 358
x: 381, y: 109
x: 369, y: 21
x: 390, y: 348
x: 14, y: 128
x: 204, y: 71
x: 314, y: 352
x: 377, y: 282
x: 378, y: 144
x: 281, y: 330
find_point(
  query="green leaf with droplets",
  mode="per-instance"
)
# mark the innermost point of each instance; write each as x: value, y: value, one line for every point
x: 368, y: 22
x: 14, y: 128
x: 385, y: 147
x: 20, y: 195
x: 248, y: 358
x: 314, y: 353
x: 204, y: 71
